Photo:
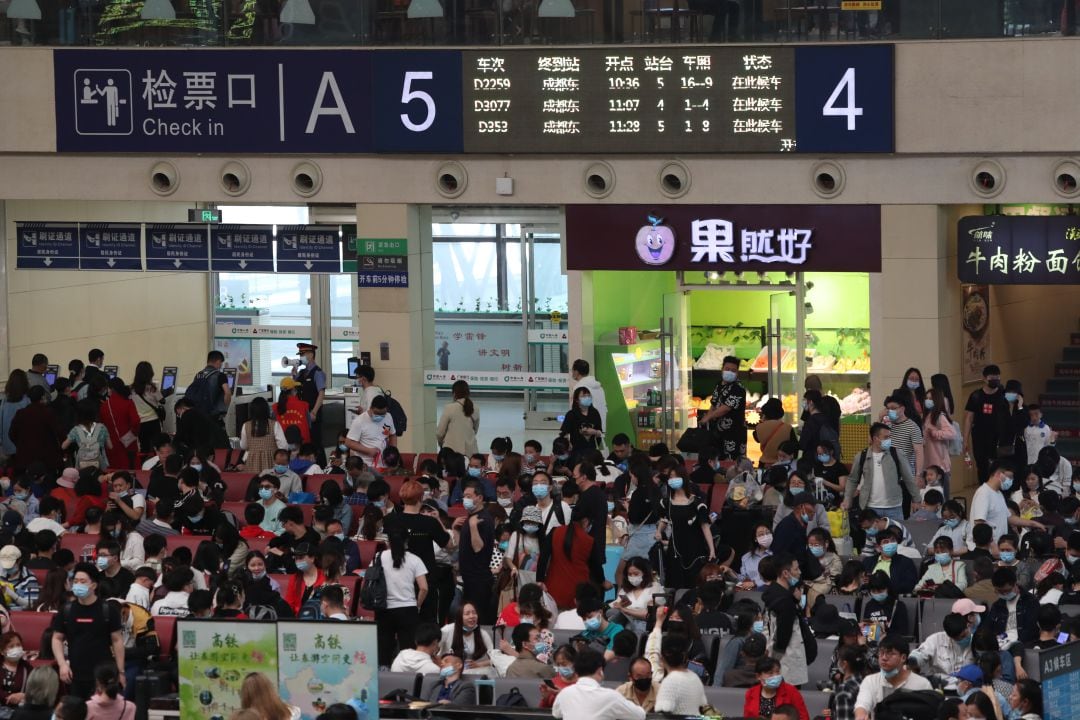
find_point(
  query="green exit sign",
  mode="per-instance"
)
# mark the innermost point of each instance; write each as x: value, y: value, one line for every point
x: 204, y: 216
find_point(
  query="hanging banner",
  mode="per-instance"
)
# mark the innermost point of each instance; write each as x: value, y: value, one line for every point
x: 502, y: 380
x: 309, y: 249
x: 975, y: 320
x: 214, y: 659
x: 177, y: 247
x: 547, y: 336
x: 110, y: 246
x: 325, y: 663
x: 1018, y: 250
x: 242, y: 248
x: 47, y: 245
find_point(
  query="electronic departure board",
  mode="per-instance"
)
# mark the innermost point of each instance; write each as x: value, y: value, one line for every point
x: 693, y: 99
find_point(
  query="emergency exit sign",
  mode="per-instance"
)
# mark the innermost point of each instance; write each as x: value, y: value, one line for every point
x: 204, y: 216
x: 860, y: 4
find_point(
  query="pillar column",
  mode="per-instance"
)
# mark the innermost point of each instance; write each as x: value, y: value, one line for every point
x: 403, y: 318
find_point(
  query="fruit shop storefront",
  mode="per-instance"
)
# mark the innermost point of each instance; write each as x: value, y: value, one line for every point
x: 675, y: 289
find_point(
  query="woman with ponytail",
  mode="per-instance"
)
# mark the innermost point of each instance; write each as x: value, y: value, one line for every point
x: 108, y: 703
x: 459, y: 422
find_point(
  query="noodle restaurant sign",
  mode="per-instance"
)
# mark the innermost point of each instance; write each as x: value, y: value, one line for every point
x: 1019, y: 250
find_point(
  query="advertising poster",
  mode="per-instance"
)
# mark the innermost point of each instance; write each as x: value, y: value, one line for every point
x: 214, y: 659
x: 975, y: 318
x: 324, y: 663
x: 471, y: 346
x: 237, y: 355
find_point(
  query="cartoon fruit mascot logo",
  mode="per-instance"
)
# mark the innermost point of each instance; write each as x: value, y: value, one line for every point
x: 655, y: 243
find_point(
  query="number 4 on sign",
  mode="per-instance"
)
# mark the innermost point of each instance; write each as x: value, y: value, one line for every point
x: 849, y: 111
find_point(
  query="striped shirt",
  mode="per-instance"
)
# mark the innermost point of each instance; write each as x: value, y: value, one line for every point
x: 905, y: 436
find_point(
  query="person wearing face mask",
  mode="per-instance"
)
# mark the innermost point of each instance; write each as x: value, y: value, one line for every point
x: 789, y: 537
x: 901, y: 569
x: 180, y: 583
x: 882, y: 611
x: 1015, y: 614
x: 1026, y: 700
x: 635, y: 594
x: 19, y: 586
x: 639, y: 687
x: 771, y: 692
x: 528, y: 645
x: 782, y: 624
x: 452, y: 688
x: 459, y: 421
x: 726, y: 418
x: 988, y: 504
x: 894, y: 675
x: 880, y: 471
x: 686, y: 531
x: 1056, y: 471
x: 597, y: 627
x: 946, y: 651
x: 582, y: 425
x: 424, y: 533
x: 905, y: 433
x: 798, y: 483
x: 986, y: 416
x: 115, y: 578
x: 90, y: 628
x: 476, y: 543
x: 371, y: 432
x: 954, y: 525
x: 288, y: 481
x: 553, y: 512
x: 563, y: 660
x: 852, y: 668
x: 523, y: 548
x: 14, y: 670
x: 749, y: 578
x: 945, y: 569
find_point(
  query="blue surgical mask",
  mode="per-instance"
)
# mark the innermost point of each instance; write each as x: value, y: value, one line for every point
x: 728, y: 376
x: 942, y: 558
x: 504, y: 545
x: 381, y: 504
x: 952, y: 523
x: 378, y: 419
x: 196, y: 518
x: 468, y: 503
x: 1008, y: 597
x: 964, y: 642
x: 585, y: 401
x: 302, y: 565
x: 773, y: 681
x: 266, y: 493
x: 497, y: 458
x: 817, y: 550
x: 562, y: 458
x: 24, y: 495
x: 928, y: 404
x: 564, y: 671
x: 196, y: 468
x: 528, y: 620
x: 281, y: 469
x: 889, y: 549
x: 912, y: 385
x: 1011, y: 396
x: 872, y: 531
x: 541, y: 647
x: 675, y: 483
x: 530, y: 458
x: 880, y: 597
x: 1006, y: 483
x: 80, y: 590
x: 343, y: 447
x: 115, y: 532
x: 793, y: 581
x: 759, y: 627
x: 531, y: 528
x: 802, y: 601
x: 541, y: 491
x: 804, y: 517
x: 890, y: 674
x: 824, y: 458
x: 1007, y: 556
x: 447, y: 671
x: 340, y: 536
x: 610, y: 507
x: 102, y: 562
x: 894, y: 415
x: 475, y: 472
x: 592, y: 623
x: 886, y: 443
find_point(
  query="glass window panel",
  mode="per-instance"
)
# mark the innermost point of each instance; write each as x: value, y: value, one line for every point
x: 341, y: 297
x: 464, y: 230
x: 466, y: 276
x: 551, y: 290
x: 285, y: 295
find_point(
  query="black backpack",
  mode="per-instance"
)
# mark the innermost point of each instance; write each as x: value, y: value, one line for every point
x: 397, y: 413
x: 201, y: 393
x: 373, y: 592
x: 909, y: 705
x: 514, y: 698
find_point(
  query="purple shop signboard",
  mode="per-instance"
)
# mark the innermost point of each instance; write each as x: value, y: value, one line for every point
x: 765, y: 238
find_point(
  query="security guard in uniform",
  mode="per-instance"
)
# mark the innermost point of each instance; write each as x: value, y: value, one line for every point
x: 312, y: 390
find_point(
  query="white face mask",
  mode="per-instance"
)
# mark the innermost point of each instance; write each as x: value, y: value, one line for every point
x: 14, y: 654
x: 635, y: 580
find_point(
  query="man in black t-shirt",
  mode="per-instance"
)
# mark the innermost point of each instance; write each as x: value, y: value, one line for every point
x: 91, y: 627
x: 728, y: 412
x: 115, y: 578
x: 476, y: 542
x: 986, y: 416
x: 591, y: 509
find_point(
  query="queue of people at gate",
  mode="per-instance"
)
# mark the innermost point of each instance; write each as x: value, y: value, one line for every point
x: 496, y: 563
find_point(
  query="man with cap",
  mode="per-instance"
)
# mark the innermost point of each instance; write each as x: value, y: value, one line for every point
x: 947, y: 650
x: 20, y: 587
x: 968, y: 679
x: 91, y: 628
x: 65, y: 490
x: 971, y: 611
x: 312, y: 391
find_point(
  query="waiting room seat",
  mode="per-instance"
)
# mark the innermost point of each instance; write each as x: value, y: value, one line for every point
x: 912, y: 605
x: 728, y: 701
x: 367, y: 549
x: 562, y: 637
x: 260, y: 545
x: 933, y: 615
x: 819, y: 669
x: 30, y: 625
x: 921, y: 532
x: 754, y: 595
x: 816, y: 701
x: 166, y: 632
x: 391, y: 681
x: 528, y: 687
x: 845, y: 603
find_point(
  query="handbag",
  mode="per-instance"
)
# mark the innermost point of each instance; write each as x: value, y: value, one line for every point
x: 694, y: 440
x: 127, y: 439
x: 159, y: 410
x: 839, y: 523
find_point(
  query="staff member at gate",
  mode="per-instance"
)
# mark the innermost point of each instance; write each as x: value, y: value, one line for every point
x: 312, y: 390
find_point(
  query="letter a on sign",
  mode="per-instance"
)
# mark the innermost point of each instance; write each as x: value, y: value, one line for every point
x: 329, y: 82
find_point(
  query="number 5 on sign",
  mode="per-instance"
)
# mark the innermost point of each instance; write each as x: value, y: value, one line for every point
x: 408, y: 95
x: 850, y: 111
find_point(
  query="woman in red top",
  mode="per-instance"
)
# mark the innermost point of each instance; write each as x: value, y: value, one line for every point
x: 307, y: 579
x: 121, y: 419
x: 89, y: 492
x: 65, y: 491
x: 771, y: 692
x: 291, y: 410
x: 564, y: 563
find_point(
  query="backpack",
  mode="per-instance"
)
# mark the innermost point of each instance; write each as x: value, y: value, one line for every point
x: 909, y: 705
x: 373, y: 592
x: 514, y: 698
x: 262, y: 612
x: 397, y: 413
x: 201, y: 393
x: 89, y: 451
x: 904, y: 494
x: 312, y: 608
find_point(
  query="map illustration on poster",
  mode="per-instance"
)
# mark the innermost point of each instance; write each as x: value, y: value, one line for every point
x: 214, y: 660
x: 324, y: 664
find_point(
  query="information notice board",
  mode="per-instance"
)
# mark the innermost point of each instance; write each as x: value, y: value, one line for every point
x: 1060, y: 672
